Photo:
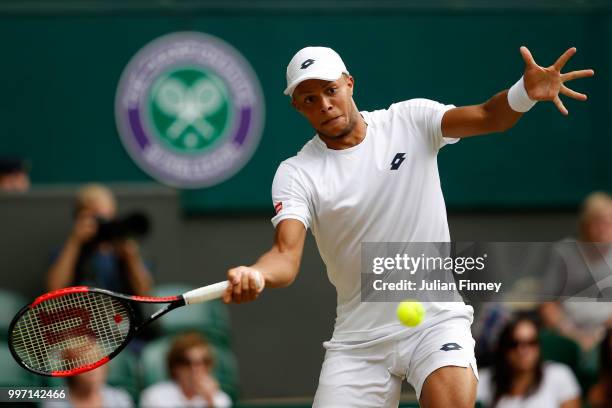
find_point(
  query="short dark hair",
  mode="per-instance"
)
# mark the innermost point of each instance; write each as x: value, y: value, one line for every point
x: 180, y: 345
x: 11, y: 165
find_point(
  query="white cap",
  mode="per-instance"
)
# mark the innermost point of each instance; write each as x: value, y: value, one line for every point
x: 313, y: 63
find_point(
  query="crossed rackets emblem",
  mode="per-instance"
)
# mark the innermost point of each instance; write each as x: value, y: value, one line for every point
x: 189, y: 105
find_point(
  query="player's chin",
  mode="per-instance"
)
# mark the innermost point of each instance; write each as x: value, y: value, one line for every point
x: 335, y: 128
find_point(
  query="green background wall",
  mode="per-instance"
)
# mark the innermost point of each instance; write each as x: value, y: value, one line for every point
x: 61, y: 64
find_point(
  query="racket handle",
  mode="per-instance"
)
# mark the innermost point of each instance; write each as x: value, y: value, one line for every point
x: 215, y: 291
x: 205, y: 293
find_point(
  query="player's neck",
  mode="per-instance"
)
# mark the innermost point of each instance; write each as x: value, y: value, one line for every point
x: 352, y: 138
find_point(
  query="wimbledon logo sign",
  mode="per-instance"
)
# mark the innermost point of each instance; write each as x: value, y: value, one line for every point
x: 189, y: 110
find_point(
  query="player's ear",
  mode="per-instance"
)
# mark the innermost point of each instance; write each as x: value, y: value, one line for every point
x: 350, y: 82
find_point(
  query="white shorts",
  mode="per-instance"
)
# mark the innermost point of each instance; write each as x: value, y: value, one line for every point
x: 372, y: 376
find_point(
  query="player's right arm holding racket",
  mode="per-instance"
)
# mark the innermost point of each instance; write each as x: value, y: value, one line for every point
x: 278, y: 267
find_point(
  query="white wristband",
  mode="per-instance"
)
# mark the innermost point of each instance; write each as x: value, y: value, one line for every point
x: 518, y: 99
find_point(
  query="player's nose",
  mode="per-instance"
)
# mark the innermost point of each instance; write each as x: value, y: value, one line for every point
x: 325, y: 105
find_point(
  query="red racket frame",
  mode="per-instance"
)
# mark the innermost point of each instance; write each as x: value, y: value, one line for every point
x: 128, y: 300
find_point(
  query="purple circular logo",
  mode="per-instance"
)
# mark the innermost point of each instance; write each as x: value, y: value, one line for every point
x: 189, y: 110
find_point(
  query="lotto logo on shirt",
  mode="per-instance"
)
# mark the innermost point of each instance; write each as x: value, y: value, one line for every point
x: 398, y: 160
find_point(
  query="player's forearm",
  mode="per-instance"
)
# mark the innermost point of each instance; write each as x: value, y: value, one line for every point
x: 495, y: 115
x: 278, y: 268
x: 500, y: 115
x: 61, y: 272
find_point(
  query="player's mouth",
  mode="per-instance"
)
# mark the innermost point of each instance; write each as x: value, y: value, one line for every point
x: 331, y: 121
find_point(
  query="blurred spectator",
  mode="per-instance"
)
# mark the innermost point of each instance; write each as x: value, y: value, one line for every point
x: 600, y: 395
x: 519, y: 378
x: 86, y: 260
x: 190, y: 362
x: 596, y: 218
x: 14, y: 175
x: 89, y: 390
x: 491, y: 319
x: 582, y: 274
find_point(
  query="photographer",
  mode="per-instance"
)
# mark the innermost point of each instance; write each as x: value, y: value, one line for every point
x: 100, y: 250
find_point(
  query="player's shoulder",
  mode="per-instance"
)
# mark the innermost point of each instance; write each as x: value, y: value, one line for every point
x: 416, y: 104
x: 308, y: 156
x: 402, y: 109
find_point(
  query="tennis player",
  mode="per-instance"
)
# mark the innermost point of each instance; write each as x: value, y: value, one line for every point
x: 373, y: 177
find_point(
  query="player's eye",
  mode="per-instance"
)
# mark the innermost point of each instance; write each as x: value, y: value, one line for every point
x: 308, y: 99
x: 332, y: 91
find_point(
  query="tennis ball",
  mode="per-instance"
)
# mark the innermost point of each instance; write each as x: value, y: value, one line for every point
x: 410, y: 313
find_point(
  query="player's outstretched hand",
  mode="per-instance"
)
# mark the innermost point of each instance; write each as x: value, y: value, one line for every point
x: 245, y: 284
x: 545, y: 84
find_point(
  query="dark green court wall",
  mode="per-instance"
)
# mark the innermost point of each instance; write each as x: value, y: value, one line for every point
x: 59, y: 74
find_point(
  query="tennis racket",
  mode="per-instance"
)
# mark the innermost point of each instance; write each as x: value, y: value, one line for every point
x: 73, y: 330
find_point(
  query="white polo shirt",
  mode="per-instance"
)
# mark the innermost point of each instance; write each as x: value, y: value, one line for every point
x: 353, y: 195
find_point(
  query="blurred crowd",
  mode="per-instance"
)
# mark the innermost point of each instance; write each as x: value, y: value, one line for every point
x: 98, y: 252
x: 190, y: 382
x: 163, y: 367
x: 534, y: 355
x: 557, y: 353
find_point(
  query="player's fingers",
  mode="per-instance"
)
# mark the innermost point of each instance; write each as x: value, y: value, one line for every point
x: 237, y: 288
x: 583, y: 73
x: 562, y: 60
x: 560, y: 106
x: 257, y: 283
x: 245, y: 286
x: 572, y: 94
x: 527, y: 57
x: 253, y: 282
x: 233, y: 275
x: 227, y: 295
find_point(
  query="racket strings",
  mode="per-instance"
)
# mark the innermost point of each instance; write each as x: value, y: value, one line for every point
x: 71, y: 331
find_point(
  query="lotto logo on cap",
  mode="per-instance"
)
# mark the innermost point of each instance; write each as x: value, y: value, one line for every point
x: 313, y: 63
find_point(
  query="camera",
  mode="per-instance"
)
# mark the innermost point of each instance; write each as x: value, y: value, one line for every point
x: 134, y: 225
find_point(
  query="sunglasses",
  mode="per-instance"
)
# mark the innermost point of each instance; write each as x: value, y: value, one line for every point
x: 205, y: 361
x: 514, y: 343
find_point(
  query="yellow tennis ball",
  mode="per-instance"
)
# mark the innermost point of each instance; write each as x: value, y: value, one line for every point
x: 410, y: 313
